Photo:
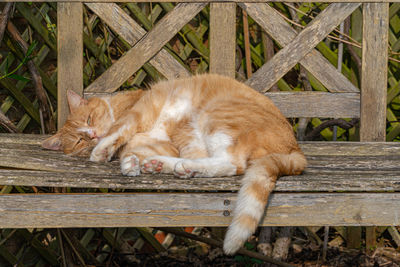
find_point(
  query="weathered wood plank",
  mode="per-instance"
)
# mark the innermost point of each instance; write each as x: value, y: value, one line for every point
x: 349, y: 164
x: 351, y: 148
x: 145, y: 209
x: 310, y: 181
x: 223, y: 38
x: 374, y: 72
x: 33, y: 141
x: 374, y: 82
x: 343, y: 166
x: 156, y: 38
x: 34, y: 158
x: 70, y: 55
x: 25, y: 139
x: 311, y: 104
x: 131, y: 31
x: 273, y: 23
x: 300, y: 46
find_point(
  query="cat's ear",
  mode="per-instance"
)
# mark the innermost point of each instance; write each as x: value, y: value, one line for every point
x: 53, y: 142
x: 74, y: 100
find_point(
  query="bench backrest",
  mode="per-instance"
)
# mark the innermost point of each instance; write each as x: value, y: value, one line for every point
x: 344, y: 100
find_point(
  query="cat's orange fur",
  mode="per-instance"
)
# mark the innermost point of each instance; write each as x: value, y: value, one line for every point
x: 203, y: 126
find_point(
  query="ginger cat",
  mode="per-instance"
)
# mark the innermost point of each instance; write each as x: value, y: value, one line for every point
x: 204, y: 126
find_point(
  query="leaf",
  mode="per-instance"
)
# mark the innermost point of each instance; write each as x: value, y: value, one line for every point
x: 31, y: 48
x: 19, y: 77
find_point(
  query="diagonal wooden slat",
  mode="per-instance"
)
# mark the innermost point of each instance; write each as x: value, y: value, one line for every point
x: 131, y: 31
x: 223, y: 38
x: 273, y: 23
x: 300, y: 46
x: 166, y: 28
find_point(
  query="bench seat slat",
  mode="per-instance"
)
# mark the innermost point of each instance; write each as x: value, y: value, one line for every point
x: 333, y: 166
x: 131, y: 210
x: 57, y: 162
x: 308, y: 182
x: 309, y: 148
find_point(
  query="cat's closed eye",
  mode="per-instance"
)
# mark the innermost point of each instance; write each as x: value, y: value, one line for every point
x: 89, y: 120
x: 80, y: 142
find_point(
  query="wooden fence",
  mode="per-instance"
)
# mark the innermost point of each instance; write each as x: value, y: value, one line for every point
x: 343, y: 96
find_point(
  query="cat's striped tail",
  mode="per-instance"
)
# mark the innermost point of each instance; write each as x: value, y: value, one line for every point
x: 258, y: 182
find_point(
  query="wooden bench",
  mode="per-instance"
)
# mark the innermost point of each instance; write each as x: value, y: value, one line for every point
x: 346, y: 183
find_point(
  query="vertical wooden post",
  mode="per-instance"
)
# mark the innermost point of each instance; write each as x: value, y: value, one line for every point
x: 70, y: 54
x: 222, y: 51
x: 374, y: 81
x: 223, y: 38
x: 374, y: 71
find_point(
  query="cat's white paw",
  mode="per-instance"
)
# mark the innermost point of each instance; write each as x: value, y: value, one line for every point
x: 151, y: 166
x: 98, y: 155
x: 103, y: 151
x: 182, y: 170
x: 130, y: 166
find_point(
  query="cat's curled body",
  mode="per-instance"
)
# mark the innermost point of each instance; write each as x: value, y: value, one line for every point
x: 203, y: 126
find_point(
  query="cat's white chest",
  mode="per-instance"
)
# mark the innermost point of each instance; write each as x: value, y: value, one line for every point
x: 174, y: 109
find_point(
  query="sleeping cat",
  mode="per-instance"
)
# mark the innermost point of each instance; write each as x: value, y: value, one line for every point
x: 204, y: 126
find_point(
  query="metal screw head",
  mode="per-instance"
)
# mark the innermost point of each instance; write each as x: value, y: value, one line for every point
x: 227, y: 202
x: 226, y: 213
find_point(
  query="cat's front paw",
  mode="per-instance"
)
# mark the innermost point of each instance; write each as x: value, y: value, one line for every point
x: 130, y: 166
x: 98, y: 155
x: 182, y: 170
x: 103, y: 151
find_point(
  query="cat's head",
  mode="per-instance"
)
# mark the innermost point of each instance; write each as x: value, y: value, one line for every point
x: 89, y: 120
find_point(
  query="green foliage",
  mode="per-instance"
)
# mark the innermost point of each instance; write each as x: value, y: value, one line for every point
x: 11, y: 74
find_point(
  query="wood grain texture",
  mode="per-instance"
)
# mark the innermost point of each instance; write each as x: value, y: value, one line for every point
x: 151, y: 209
x: 332, y: 166
x: 155, y: 39
x: 354, y: 170
x: 70, y: 55
x: 223, y: 38
x: 33, y: 142
x: 374, y: 72
x: 300, y: 46
x: 132, y: 32
x: 313, y: 180
x: 313, y: 104
x: 276, y: 27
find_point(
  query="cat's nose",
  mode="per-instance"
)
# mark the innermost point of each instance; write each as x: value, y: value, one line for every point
x: 92, y: 134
